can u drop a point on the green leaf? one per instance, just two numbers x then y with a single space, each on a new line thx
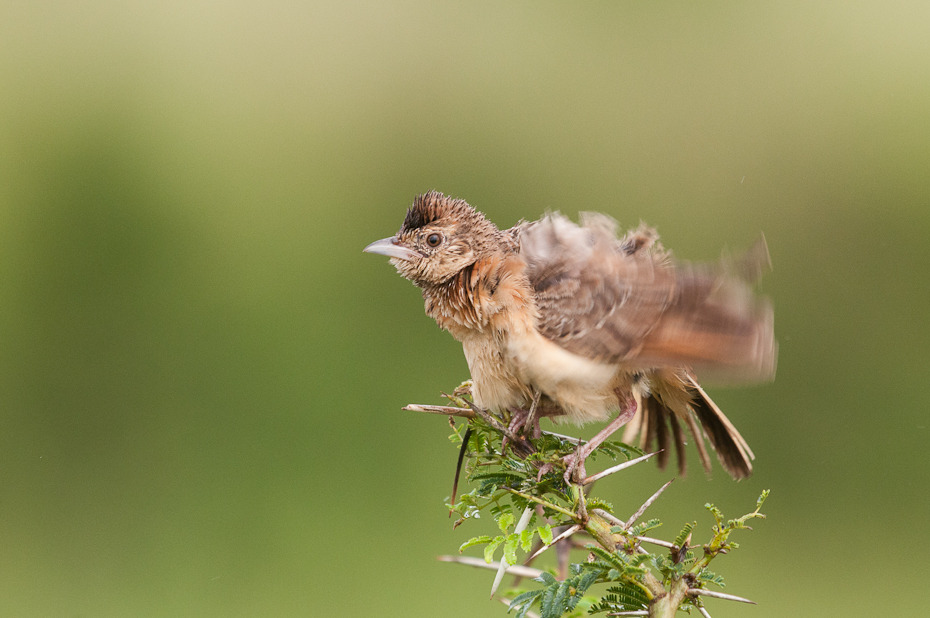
491 548
614 448
510 548
559 599
496 474
711 577
492 482
478 540
524 602
622 597
598 503
683 535
762 497
546 578
718 515
645 526
586 580
505 521
546 604
526 540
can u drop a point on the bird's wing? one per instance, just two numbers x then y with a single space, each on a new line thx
625 301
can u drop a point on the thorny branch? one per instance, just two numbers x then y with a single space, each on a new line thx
666 583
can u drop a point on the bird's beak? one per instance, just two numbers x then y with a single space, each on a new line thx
390 248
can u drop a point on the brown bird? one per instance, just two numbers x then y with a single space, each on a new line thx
566 320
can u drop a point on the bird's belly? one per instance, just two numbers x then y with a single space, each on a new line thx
585 389
506 372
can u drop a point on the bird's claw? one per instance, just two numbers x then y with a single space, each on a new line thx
574 468
518 424
517 428
544 469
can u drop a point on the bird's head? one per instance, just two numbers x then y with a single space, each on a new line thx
440 236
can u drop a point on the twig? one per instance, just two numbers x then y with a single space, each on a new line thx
470 413
479 563
488 418
446 410
608 517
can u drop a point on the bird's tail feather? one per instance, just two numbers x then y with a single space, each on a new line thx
656 425
732 450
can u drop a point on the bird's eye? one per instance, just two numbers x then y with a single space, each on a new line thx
433 240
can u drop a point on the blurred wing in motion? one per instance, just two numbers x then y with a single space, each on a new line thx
625 301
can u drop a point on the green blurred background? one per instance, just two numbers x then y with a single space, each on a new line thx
202 374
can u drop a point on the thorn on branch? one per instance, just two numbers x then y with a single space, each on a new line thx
618 468
659 542
479 563
646 505
447 410
567 533
693 592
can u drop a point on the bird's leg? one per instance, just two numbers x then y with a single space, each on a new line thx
574 463
525 423
532 417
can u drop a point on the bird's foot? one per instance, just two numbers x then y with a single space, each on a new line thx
544 469
574 466
521 431
463 389
516 436
521 423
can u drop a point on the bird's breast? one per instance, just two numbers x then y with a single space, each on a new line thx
496 384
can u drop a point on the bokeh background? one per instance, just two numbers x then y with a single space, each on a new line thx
202 374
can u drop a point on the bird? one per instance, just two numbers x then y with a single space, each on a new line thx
576 322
